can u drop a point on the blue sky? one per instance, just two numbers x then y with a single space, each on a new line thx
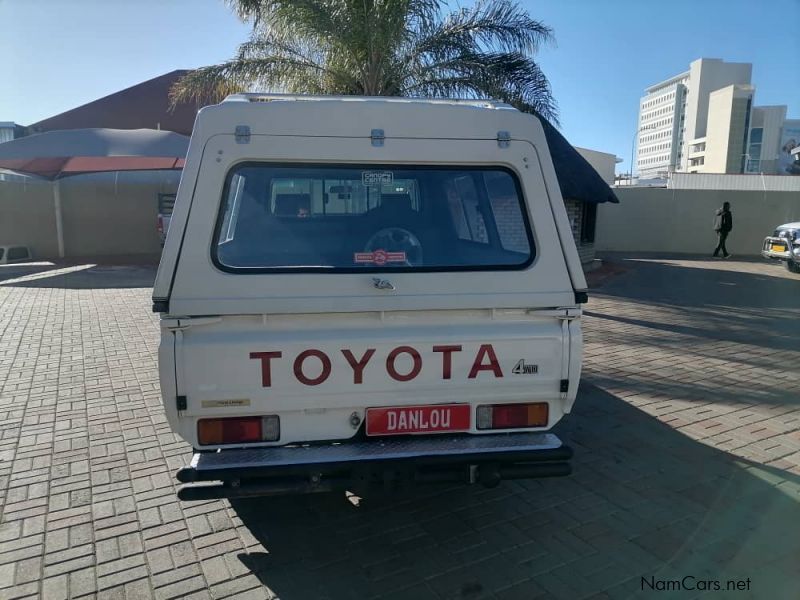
58 54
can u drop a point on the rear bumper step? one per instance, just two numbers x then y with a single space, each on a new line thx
392 462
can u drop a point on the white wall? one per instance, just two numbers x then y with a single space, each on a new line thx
718 126
103 214
733 182
725 133
603 162
681 221
705 76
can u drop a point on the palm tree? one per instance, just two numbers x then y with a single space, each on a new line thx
383 48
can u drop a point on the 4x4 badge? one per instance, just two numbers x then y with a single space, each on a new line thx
522 369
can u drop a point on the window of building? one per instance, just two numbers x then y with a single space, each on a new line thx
753 166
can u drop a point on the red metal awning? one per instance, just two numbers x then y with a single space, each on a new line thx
91 164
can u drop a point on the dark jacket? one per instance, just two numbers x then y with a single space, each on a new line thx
723 221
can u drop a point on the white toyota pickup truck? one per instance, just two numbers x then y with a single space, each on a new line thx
360 291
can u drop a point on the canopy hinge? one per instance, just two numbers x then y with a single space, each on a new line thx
242 134
503 139
569 314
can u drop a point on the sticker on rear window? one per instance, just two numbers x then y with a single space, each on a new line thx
376 178
379 257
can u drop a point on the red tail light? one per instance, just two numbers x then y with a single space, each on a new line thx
160 225
238 430
512 416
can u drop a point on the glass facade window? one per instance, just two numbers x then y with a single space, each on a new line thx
753 158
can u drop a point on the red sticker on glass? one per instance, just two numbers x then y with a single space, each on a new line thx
379 257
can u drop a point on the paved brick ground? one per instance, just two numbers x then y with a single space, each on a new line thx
687 438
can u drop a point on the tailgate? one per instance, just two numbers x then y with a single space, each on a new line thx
317 371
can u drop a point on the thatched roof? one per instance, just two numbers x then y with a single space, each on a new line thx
576 177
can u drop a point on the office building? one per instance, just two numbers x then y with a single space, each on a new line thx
676 110
705 121
722 148
9 131
764 143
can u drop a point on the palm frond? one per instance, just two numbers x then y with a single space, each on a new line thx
510 77
501 24
488 25
384 47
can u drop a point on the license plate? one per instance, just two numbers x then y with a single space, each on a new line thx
398 420
778 248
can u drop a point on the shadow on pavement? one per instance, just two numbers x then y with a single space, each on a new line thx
730 328
643 501
695 333
703 301
704 283
65 275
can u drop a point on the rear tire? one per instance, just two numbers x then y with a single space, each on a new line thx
792 266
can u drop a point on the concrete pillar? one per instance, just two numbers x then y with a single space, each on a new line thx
59 220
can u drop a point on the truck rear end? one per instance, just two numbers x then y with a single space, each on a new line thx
361 291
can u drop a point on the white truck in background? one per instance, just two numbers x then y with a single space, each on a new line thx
360 291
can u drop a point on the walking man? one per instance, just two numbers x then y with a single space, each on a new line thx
723 223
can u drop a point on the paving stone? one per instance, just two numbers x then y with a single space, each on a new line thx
215 570
182 588
82 582
117 566
121 578
7 575
27 590
236 588
56 588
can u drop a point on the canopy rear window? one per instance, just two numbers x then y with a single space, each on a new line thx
359 218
